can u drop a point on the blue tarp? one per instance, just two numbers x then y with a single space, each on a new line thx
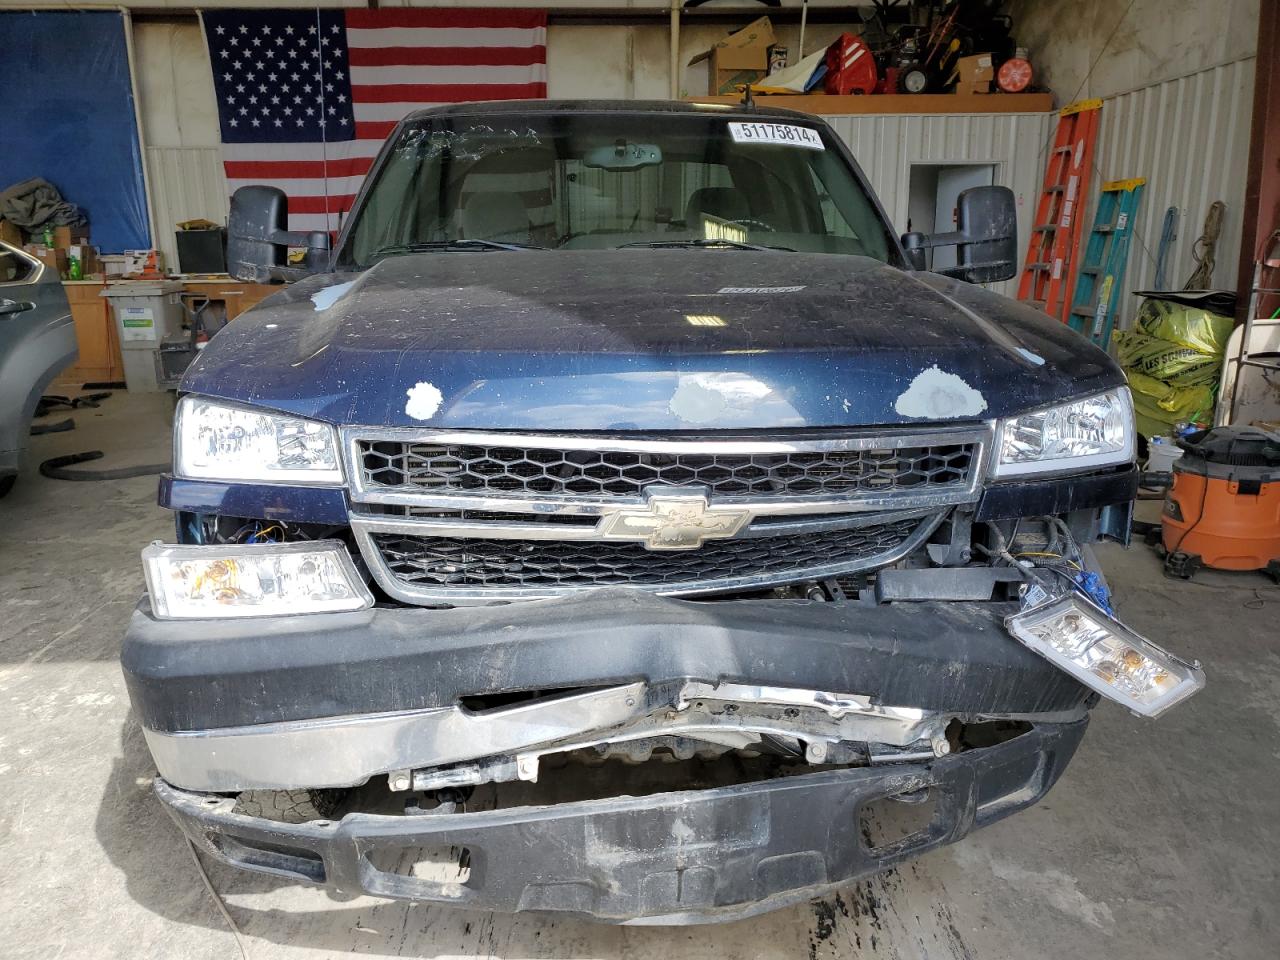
68 116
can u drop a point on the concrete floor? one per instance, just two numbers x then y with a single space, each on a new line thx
1160 841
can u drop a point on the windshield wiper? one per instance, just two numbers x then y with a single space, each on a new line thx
447 245
702 242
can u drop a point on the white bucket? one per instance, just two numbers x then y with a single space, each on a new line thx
1161 457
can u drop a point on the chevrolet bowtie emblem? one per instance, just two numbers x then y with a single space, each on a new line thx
673 521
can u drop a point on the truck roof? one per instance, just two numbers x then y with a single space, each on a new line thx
499 107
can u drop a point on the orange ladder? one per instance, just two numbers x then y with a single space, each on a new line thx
1048 274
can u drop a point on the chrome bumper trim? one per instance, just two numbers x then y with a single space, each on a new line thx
347 751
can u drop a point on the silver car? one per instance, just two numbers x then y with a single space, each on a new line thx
37 340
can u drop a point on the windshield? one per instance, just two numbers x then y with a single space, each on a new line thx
583 181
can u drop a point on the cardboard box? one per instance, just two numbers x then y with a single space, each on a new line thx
983 86
739 58
64 237
975 69
10 233
51 257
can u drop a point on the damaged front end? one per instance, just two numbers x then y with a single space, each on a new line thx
640 680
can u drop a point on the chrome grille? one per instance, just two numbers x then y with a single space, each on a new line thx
461 516
497 470
442 564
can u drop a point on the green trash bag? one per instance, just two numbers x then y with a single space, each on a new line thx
1192 327
1169 404
1161 359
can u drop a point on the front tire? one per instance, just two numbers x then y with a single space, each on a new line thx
291 806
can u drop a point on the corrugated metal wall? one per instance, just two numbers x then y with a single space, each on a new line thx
887 145
1190 138
186 183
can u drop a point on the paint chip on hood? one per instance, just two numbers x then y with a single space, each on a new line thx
937 395
326 298
424 401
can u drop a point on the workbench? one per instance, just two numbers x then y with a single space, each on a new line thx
96 333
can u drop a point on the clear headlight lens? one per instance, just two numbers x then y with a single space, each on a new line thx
217 441
258 580
1105 655
1093 432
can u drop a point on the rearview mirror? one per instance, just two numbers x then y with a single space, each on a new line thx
623 156
986 238
258 240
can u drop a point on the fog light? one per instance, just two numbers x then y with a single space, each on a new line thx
1104 654
252 580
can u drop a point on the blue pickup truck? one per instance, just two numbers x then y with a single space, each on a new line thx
620 520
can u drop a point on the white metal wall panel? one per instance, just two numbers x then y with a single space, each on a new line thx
886 146
1190 138
186 183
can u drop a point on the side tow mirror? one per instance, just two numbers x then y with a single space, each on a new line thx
986 238
258 240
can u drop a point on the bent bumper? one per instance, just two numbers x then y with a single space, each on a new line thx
330 700
674 858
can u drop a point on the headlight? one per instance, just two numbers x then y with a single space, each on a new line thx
1105 655
217 441
1093 432
252 580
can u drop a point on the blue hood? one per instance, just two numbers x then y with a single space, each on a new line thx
644 340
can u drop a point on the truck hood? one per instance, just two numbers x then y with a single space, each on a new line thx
644 339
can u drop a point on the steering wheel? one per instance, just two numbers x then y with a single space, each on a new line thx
748 222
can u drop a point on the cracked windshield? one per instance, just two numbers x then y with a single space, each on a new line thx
596 182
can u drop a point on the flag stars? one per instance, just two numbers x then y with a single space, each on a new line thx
255 122
336 28
233 122
219 30
289 30
244 28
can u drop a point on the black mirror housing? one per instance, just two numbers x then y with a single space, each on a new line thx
988 217
986 238
258 239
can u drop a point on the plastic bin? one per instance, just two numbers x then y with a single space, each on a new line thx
147 313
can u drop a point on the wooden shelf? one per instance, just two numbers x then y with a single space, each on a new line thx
928 103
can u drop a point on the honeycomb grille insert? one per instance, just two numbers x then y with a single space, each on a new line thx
439 564
540 471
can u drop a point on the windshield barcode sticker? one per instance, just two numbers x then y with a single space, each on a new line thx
784 134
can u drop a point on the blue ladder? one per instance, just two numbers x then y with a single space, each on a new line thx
1101 275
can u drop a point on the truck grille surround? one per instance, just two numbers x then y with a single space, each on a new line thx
464 517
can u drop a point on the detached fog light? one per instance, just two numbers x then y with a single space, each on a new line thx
258 580
1104 654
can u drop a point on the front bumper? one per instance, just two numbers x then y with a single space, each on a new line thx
673 858
331 700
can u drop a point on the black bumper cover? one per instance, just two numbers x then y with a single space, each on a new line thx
674 858
944 656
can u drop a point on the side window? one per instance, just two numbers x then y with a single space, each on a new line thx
14 268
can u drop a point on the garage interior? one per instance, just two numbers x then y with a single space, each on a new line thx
1160 839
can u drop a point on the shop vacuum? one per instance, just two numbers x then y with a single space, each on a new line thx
1223 508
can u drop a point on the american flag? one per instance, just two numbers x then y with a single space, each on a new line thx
306 97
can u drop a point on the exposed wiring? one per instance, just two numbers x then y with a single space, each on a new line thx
217 900
1043 553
